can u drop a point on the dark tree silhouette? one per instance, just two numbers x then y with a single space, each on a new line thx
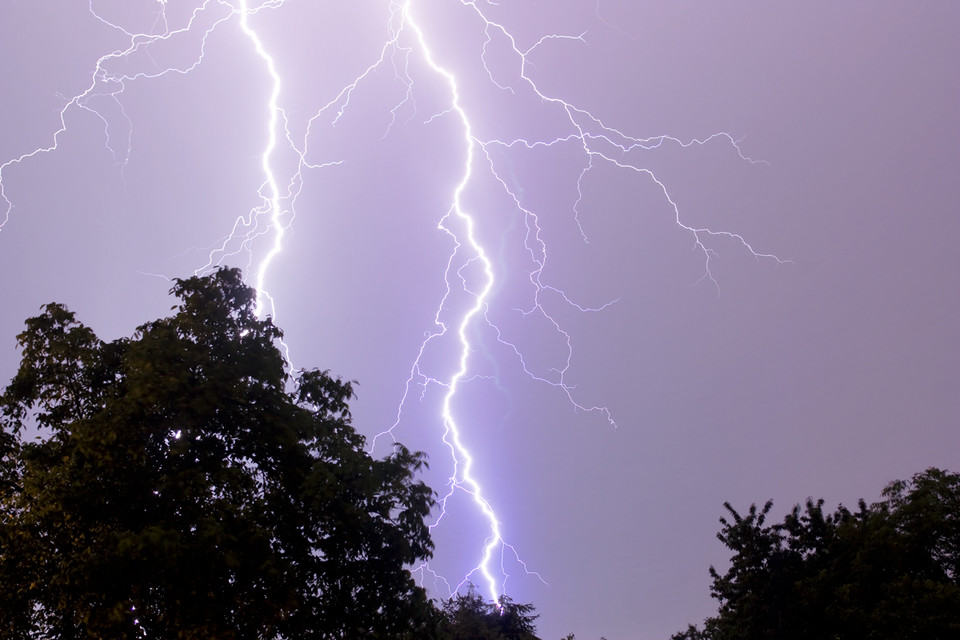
184 485
468 616
888 570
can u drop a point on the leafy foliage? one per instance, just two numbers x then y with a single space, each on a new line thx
888 570
468 616
186 486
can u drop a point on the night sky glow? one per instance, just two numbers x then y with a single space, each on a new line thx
610 264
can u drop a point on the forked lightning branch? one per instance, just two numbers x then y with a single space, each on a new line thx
256 238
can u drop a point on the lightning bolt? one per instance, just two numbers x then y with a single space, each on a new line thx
462 316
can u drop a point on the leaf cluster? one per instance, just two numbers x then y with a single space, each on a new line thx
185 485
886 570
468 616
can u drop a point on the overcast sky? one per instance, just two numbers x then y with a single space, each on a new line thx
813 353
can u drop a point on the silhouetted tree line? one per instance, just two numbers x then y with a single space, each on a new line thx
184 484
889 570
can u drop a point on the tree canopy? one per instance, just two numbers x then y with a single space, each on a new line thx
887 570
468 616
184 484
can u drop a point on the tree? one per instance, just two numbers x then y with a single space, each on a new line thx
185 485
468 616
888 570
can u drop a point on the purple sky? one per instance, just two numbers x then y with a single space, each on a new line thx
827 376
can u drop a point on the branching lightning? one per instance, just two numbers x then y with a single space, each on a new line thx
258 235
271 205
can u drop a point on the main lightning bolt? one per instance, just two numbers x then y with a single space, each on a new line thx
469 274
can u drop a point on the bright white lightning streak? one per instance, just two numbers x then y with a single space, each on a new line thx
597 142
273 191
451 428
